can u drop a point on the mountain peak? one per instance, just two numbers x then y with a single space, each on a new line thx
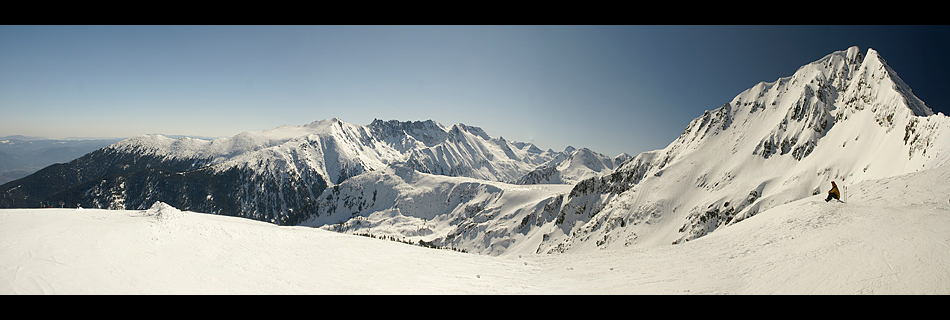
853 54
790 114
321 124
917 106
478 131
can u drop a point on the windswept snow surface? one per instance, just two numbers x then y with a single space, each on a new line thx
889 238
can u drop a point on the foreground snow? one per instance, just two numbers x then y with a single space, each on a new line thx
890 238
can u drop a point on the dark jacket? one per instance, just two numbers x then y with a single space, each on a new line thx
834 190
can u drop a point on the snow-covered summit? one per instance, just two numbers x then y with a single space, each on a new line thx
573 167
407 135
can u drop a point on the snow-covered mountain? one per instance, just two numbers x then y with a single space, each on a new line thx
339 150
573 166
274 175
847 117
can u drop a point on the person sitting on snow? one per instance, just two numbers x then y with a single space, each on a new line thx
833 193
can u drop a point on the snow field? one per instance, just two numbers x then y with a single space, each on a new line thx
128 252
890 238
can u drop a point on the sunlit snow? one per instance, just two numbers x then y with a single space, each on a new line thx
890 238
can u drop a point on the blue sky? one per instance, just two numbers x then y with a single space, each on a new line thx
609 88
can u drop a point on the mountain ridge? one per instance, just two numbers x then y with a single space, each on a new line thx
272 174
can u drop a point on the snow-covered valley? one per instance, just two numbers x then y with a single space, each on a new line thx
889 238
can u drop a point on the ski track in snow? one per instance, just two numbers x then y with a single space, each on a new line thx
890 238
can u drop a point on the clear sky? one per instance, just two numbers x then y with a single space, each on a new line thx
609 88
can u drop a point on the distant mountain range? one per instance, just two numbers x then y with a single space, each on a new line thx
23 155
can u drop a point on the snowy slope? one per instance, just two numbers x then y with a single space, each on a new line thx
890 238
474 215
